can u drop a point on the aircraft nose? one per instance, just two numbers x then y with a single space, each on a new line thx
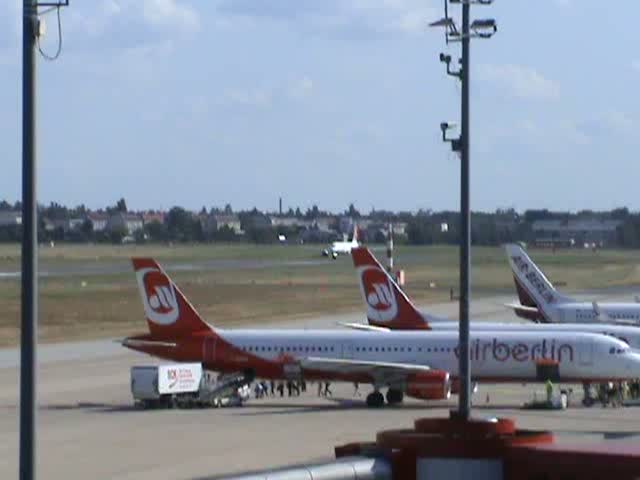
633 363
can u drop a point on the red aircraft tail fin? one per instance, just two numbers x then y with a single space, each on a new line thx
169 314
387 305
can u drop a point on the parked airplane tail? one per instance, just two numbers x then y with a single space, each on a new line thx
534 289
387 305
169 314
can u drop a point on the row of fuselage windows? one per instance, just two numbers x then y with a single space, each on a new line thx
615 316
305 349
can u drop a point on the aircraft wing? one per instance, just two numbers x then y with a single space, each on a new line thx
380 372
364 326
126 342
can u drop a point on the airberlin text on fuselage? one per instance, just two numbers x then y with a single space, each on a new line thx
519 352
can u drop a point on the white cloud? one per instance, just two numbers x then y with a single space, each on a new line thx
382 16
131 21
301 88
520 81
609 123
620 122
247 97
10 24
171 14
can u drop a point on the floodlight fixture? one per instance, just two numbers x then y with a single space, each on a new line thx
472 2
455 142
484 28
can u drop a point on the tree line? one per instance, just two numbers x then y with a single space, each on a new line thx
423 227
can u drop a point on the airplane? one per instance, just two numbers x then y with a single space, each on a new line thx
343 247
415 364
541 302
390 308
397 312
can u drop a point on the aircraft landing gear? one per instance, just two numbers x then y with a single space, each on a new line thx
587 400
394 396
375 399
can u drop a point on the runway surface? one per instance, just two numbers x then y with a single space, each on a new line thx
88 428
122 267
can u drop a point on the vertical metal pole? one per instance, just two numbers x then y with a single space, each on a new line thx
28 334
464 407
390 249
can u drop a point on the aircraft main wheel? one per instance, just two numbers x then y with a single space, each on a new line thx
394 396
375 400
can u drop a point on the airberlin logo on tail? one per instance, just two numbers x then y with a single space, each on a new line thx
535 281
158 296
379 295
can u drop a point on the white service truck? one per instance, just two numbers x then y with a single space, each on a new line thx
184 385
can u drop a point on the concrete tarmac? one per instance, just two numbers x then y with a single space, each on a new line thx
87 427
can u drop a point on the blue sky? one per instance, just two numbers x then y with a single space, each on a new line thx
198 103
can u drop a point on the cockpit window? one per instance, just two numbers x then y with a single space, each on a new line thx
612 350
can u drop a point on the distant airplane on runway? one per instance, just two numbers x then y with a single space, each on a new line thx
342 248
418 364
540 301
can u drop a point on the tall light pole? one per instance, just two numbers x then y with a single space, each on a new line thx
479 29
32 28
29 328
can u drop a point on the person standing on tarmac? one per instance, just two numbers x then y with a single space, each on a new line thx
356 389
549 388
319 389
265 388
327 391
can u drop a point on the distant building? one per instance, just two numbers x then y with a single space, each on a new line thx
258 220
75 224
126 222
98 220
10 218
345 226
323 223
569 233
48 225
379 231
290 222
217 222
150 217
316 235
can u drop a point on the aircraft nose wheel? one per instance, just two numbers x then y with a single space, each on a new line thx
375 400
394 396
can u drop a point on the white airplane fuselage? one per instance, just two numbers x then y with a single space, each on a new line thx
579 312
343 248
495 356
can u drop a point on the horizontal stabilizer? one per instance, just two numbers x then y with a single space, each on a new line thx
132 342
365 327
522 308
